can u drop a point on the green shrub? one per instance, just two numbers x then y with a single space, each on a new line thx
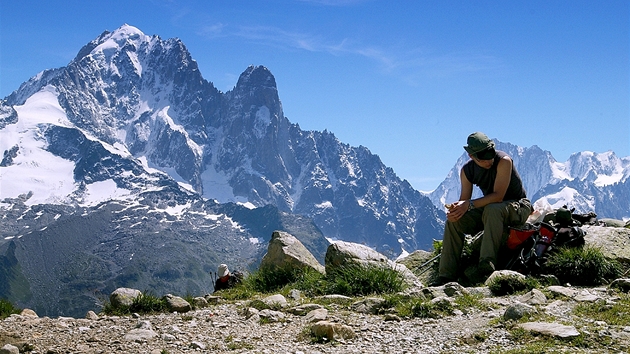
241 291
582 266
352 280
311 282
361 280
7 309
148 303
145 303
270 279
425 309
507 285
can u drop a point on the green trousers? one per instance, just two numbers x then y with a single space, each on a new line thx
494 219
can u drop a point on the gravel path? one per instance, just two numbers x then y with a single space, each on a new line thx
226 328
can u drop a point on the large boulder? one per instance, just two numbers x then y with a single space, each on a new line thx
341 254
286 251
419 262
123 297
614 242
176 303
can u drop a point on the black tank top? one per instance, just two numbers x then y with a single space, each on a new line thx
484 179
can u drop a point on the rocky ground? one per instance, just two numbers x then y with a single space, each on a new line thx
235 327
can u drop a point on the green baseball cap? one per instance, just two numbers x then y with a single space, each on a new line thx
477 142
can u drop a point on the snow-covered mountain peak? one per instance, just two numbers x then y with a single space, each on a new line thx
120 37
600 168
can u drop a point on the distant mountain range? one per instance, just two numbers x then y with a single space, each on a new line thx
128 168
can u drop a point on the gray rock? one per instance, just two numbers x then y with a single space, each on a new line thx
316 315
123 297
563 290
302 310
433 291
271 315
286 251
9 349
341 254
28 313
454 289
442 302
332 331
276 301
142 332
200 302
480 290
622 284
415 258
140 335
503 273
534 297
176 303
614 242
368 305
518 310
91 315
586 297
550 329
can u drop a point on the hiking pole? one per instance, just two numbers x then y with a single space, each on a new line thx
212 277
429 262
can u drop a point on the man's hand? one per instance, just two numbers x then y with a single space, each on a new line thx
456 210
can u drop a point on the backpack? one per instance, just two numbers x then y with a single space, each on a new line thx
530 245
533 243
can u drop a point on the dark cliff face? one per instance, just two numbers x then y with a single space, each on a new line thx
65 261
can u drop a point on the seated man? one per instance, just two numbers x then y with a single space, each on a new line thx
225 279
503 204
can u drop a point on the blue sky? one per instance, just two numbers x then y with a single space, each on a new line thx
407 79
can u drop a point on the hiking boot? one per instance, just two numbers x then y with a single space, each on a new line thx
480 272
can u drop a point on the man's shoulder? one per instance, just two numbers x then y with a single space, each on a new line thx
503 156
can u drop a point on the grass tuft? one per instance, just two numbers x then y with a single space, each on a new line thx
7 309
586 266
363 280
353 280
